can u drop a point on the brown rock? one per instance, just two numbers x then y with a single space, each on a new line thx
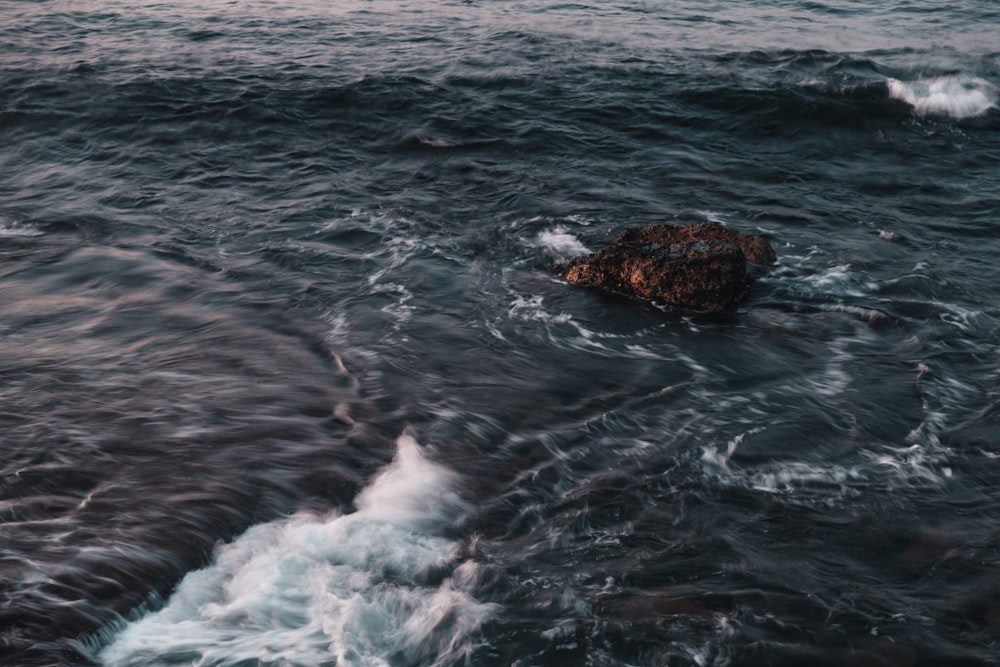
704 267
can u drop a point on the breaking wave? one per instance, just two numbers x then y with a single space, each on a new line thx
957 96
376 587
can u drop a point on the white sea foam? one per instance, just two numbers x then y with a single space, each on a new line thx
958 96
10 228
561 243
833 281
923 461
559 328
349 590
839 280
713 216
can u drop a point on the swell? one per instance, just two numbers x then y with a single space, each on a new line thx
810 89
139 128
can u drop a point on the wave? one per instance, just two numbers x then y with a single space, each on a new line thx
955 95
376 587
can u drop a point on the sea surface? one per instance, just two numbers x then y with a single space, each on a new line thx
287 377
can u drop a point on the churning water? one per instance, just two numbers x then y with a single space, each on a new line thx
287 378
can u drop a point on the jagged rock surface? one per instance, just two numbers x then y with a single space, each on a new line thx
704 267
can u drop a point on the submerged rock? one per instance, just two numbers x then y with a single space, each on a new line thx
704 267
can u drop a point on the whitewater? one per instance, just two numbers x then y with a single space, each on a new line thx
374 587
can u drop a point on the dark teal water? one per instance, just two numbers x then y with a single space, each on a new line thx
286 378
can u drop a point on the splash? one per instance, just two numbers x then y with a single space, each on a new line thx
561 243
373 588
957 96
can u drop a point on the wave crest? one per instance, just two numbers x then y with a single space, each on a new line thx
956 95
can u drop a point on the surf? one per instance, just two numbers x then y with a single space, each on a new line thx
377 587
955 95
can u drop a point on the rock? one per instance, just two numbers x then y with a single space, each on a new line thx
704 267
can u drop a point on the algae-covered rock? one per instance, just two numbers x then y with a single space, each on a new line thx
704 267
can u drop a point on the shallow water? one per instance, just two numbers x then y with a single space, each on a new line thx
287 378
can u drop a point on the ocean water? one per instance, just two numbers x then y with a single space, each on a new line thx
287 378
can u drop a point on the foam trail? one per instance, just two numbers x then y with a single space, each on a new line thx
363 589
958 96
